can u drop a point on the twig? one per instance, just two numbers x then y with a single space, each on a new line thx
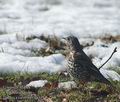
115 50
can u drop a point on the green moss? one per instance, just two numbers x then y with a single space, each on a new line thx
83 94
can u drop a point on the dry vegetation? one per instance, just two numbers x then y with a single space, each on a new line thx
13 85
13 89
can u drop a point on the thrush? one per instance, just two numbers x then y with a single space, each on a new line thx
80 67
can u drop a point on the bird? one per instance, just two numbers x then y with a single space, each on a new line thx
80 67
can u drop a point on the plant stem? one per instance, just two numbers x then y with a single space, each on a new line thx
115 50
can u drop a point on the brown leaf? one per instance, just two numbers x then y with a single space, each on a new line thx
47 86
51 85
54 84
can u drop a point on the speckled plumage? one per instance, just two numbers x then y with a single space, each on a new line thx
80 67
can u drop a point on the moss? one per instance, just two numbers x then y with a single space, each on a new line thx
90 93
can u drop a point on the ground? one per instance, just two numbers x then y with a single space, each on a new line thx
31 56
15 86
42 82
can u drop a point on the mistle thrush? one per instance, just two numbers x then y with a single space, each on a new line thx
80 66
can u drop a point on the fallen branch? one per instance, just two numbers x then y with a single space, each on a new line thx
115 50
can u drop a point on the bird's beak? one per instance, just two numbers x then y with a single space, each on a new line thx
64 40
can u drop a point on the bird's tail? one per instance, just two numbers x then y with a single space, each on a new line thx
106 81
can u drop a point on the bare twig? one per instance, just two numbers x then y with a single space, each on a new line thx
115 50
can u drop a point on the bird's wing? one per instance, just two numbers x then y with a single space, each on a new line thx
87 61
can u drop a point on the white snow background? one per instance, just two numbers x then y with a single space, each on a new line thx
83 18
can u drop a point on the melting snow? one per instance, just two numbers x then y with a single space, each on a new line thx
88 18
67 85
38 83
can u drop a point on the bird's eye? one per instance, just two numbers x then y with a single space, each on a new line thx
68 39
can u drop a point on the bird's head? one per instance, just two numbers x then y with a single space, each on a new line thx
72 43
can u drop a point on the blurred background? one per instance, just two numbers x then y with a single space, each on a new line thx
83 17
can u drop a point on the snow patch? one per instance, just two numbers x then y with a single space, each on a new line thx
67 85
14 63
38 83
110 74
